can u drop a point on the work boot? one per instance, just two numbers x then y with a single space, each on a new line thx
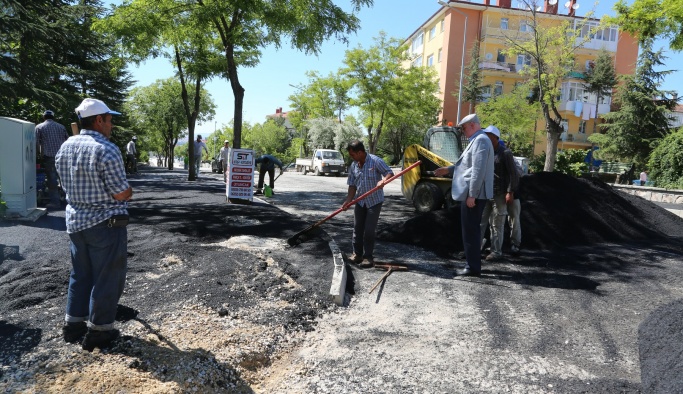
514 249
73 332
100 339
355 259
494 257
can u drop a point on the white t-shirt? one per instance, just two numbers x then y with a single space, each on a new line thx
130 148
224 155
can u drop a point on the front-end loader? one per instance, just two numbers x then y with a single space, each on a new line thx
441 148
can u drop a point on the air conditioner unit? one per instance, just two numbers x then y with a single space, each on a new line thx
18 165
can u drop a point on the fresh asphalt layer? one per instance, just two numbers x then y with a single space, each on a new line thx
588 318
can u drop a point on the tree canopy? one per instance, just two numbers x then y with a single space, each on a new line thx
648 19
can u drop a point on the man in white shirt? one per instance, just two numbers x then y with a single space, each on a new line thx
224 155
131 153
198 145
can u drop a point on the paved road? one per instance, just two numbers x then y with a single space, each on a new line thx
560 322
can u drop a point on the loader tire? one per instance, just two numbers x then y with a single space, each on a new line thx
449 203
427 197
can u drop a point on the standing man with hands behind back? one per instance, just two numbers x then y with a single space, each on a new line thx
366 172
50 135
97 192
473 185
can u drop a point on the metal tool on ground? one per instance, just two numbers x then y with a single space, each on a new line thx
282 171
294 240
390 268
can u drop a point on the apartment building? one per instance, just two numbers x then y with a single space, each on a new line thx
439 43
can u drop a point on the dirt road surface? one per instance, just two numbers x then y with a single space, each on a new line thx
215 302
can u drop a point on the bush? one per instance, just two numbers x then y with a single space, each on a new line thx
568 161
666 161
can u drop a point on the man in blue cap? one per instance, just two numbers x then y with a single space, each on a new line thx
97 192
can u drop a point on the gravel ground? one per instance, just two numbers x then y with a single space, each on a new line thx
215 301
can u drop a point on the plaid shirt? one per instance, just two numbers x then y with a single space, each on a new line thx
50 136
367 177
91 170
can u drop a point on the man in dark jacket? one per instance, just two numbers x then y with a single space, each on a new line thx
268 163
505 182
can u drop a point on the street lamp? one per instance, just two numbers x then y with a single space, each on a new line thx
214 139
462 61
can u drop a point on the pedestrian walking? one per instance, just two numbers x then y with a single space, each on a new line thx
50 136
473 185
366 172
97 194
224 155
131 156
198 146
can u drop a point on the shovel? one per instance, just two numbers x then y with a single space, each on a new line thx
294 240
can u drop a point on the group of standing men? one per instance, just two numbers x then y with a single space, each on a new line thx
485 179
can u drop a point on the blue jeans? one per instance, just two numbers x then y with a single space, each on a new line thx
98 275
364 227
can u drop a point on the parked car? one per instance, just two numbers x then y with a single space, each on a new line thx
217 165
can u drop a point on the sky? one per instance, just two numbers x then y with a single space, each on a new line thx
268 85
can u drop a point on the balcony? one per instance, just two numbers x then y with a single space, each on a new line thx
571 107
498 66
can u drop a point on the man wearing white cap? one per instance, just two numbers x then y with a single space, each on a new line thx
473 185
97 192
505 182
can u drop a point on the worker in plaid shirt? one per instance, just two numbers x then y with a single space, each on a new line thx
97 192
366 172
50 135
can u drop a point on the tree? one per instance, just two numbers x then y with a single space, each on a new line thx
151 28
52 59
157 113
648 19
382 85
550 46
601 78
266 138
515 115
666 161
643 116
321 132
473 90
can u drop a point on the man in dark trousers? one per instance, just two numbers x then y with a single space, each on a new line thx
366 172
473 185
97 192
50 136
268 163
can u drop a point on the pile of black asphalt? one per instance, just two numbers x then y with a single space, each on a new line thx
557 211
170 216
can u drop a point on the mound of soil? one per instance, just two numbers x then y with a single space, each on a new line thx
557 210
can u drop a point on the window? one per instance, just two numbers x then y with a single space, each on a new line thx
432 33
417 43
504 23
582 127
417 62
486 92
430 60
440 53
442 25
501 56
523 60
523 26
498 89
564 124
573 91
590 29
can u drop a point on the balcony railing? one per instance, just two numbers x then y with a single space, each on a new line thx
498 66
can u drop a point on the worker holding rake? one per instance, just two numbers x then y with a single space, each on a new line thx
366 172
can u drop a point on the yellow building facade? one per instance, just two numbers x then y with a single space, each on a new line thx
439 43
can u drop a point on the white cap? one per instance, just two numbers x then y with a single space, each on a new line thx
91 107
469 118
493 130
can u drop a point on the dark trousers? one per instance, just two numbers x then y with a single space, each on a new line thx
51 174
364 227
271 176
470 221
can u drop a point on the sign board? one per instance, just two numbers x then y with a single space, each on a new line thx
241 176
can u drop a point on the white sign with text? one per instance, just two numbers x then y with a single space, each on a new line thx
241 176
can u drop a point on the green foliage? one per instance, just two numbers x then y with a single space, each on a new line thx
516 118
666 161
643 116
473 90
551 49
601 78
266 138
569 161
51 59
649 19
